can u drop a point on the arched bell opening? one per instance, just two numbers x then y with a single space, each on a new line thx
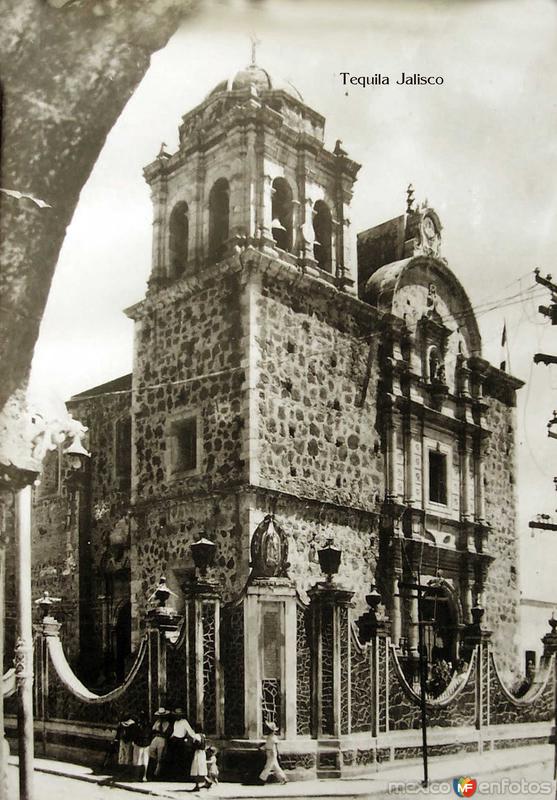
219 218
323 236
281 225
178 239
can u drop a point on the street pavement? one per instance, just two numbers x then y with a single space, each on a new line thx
517 773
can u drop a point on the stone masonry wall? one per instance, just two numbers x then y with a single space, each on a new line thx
501 598
190 359
188 362
309 525
106 517
161 546
55 550
55 540
318 377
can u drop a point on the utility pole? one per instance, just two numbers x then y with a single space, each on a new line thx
422 666
24 646
423 679
3 536
543 523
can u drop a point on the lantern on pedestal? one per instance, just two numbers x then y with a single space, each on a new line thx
329 559
203 554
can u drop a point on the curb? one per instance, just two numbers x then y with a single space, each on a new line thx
369 791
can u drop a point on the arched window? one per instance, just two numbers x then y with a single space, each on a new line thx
178 239
219 213
282 214
323 231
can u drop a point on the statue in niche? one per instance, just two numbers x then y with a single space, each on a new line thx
269 550
432 302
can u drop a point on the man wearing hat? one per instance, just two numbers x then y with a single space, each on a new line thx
271 754
161 732
125 744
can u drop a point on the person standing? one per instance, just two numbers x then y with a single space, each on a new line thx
160 733
141 739
178 752
271 754
199 763
125 745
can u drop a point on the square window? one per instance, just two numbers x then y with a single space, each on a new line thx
438 477
184 445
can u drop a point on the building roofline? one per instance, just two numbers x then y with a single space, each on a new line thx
121 384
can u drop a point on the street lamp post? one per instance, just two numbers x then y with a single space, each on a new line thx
3 535
422 666
24 645
47 439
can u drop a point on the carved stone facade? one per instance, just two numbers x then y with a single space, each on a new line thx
284 394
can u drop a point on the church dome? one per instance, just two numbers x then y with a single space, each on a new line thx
257 78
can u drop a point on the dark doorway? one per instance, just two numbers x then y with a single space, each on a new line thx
440 628
123 638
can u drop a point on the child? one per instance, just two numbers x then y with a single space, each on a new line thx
199 762
271 753
212 768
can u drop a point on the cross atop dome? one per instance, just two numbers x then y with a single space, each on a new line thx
254 42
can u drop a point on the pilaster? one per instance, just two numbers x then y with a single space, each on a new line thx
270 675
205 676
329 604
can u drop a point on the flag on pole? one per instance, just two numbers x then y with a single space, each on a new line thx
505 360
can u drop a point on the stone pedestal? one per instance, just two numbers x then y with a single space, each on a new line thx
270 656
49 627
331 673
204 676
330 604
162 622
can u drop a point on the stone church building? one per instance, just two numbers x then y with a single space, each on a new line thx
295 386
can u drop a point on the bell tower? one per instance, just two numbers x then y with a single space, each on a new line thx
251 266
252 168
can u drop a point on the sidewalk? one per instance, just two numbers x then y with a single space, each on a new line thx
502 762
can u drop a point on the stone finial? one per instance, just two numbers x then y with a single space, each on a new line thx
161 593
45 602
409 198
161 616
339 150
254 42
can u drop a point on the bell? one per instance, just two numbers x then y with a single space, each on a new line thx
276 224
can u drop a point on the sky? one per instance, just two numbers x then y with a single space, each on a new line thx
482 148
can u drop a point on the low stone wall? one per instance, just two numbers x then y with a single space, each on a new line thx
62 695
373 712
